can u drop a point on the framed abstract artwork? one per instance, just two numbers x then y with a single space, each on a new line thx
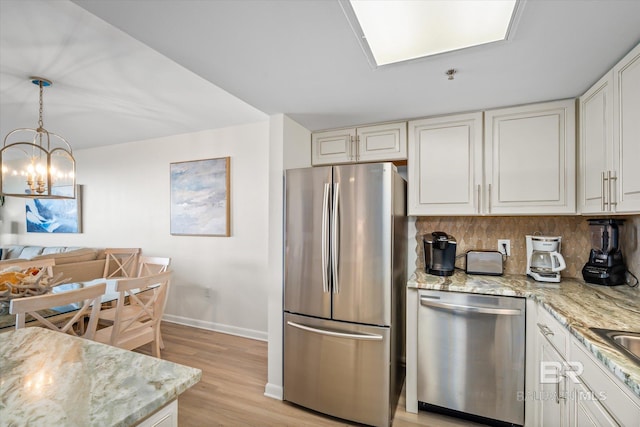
200 197
55 215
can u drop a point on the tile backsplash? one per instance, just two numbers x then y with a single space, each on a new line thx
484 232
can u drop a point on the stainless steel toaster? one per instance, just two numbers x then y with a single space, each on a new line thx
484 262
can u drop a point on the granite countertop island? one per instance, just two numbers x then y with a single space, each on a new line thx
575 304
49 378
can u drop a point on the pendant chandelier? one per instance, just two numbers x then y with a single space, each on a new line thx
36 163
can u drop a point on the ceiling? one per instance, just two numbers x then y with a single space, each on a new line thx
131 70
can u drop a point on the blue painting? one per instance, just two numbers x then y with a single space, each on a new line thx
200 197
54 215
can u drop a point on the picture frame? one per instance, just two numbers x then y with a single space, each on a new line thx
55 215
200 197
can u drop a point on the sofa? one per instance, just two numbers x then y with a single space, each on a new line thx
75 263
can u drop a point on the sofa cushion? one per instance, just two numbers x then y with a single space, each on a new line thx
77 255
59 249
12 251
31 251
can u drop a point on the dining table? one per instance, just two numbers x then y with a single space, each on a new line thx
8 321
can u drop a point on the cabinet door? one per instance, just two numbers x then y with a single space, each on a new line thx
552 386
530 159
333 147
596 146
445 165
586 410
382 142
167 416
626 135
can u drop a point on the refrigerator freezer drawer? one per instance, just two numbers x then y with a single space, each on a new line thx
339 369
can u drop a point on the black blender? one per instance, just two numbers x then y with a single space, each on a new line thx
606 264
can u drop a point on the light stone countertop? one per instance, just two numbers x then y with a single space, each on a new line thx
50 378
575 304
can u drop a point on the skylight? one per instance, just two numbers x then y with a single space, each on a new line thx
399 30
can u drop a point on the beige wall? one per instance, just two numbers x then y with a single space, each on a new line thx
484 232
219 282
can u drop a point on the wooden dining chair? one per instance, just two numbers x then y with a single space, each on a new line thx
148 265
138 323
89 297
121 262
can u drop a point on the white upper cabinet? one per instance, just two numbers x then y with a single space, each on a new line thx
375 143
609 179
626 131
596 146
333 147
530 159
445 165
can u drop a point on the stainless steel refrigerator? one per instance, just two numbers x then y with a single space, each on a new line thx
344 290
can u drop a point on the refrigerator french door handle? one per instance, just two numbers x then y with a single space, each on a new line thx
335 239
470 309
325 236
362 337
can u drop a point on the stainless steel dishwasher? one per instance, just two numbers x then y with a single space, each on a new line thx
471 354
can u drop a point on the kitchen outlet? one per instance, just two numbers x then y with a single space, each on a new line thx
504 246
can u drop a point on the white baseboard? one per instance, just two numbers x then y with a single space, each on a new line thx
273 391
217 327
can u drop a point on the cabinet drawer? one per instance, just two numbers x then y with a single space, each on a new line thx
619 403
553 331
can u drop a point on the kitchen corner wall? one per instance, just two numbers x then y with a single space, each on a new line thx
484 232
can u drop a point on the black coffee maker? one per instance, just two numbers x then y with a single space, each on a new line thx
439 253
606 264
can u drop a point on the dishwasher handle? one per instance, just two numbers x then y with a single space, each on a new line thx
470 309
362 337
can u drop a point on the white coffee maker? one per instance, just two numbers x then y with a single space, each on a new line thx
544 261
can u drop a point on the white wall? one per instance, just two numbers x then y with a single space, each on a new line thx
290 147
219 282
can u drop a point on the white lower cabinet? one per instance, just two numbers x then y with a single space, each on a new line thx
603 399
553 405
550 390
587 410
167 416
572 388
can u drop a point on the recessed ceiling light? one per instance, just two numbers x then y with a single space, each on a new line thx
392 31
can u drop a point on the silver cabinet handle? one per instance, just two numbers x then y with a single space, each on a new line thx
351 148
545 330
479 199
325 236
611 178
357 148
470 309
362 337
603 204
558 388
335 240
489 200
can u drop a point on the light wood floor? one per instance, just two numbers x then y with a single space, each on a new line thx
234 374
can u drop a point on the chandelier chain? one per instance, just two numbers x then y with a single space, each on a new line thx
40 122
